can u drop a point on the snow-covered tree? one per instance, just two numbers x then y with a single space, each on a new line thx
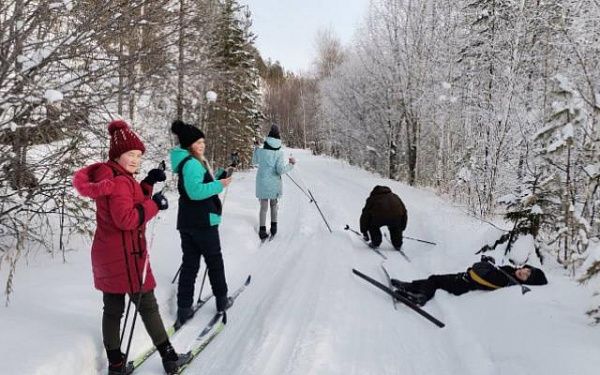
235 118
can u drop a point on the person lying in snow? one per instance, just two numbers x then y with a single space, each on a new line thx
483 275
383 208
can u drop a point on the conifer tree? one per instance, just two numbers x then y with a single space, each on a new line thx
236 116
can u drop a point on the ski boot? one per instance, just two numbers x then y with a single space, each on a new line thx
273 229
404 289
183 315
262 233
116 363
223 303
170 359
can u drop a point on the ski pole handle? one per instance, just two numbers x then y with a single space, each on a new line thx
347 227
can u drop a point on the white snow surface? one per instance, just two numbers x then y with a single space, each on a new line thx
305 312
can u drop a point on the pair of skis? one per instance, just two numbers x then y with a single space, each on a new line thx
139 360
375 249
212 329
217 323
399 297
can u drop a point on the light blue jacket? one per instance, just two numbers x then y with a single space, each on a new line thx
271 166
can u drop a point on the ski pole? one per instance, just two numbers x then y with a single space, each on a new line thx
408 238
319 208
399 250
125 322
202 285
347 227
416 239
312 200
514 281
299 187
130 288
163 166
176 274
137 306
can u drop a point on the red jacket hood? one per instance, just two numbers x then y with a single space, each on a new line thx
94 181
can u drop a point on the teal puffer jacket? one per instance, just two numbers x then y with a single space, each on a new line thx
199 204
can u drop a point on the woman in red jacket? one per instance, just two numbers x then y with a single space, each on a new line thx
120 259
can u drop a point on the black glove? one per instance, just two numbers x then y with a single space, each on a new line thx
155 175
226 173
486 258
366 236
161 201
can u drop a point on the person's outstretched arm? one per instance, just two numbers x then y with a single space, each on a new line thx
281 167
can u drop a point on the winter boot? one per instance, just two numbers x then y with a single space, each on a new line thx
170 359
223 303
116 363
407 290
273 228
417 298
184 314
262 233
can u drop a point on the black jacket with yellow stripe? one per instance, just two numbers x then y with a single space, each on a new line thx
486 276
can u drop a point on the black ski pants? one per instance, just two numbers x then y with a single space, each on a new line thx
196 243
455 283
395 234
114 305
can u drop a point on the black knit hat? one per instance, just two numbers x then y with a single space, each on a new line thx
274 132
537 276
187 134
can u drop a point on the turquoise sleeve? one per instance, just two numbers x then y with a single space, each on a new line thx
193 177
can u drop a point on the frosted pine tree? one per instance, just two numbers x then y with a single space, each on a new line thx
564 149
236 115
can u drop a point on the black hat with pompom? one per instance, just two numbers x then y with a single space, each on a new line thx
187 134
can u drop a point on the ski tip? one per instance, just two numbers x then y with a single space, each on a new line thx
248 279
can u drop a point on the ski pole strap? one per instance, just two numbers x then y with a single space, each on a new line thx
479 280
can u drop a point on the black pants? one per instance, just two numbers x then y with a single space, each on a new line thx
195 243
114 305
395 234
455 283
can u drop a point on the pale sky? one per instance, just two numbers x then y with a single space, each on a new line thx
286 29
